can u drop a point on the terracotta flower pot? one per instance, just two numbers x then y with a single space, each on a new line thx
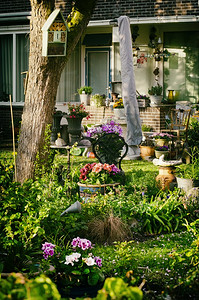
147 151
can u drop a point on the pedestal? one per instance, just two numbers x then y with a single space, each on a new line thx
166 178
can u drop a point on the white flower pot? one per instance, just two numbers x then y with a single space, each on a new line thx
119 113
155 100
85 99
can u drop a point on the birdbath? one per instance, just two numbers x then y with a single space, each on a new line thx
166 178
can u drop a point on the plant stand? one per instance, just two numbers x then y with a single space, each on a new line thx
74 129
166 178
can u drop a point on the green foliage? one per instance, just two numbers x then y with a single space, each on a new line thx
44 157
146 128
155 90
87 89
16 286
30 215
189 257
98 100
116 288
190 171
193 133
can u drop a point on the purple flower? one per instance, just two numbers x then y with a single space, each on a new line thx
98 261
115 169
48 250
75 242
84 244
110 127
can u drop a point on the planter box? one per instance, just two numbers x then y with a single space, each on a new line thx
143 102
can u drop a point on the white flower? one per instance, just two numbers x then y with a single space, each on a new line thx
71 258
89 261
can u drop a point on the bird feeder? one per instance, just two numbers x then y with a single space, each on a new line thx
55 35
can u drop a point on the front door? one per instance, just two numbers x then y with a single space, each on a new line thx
98 70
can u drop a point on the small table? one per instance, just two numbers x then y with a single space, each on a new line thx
68 148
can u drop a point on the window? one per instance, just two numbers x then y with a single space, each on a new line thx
6 65
181 69
70 78
14 49
14 52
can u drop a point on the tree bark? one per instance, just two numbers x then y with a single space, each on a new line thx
43 80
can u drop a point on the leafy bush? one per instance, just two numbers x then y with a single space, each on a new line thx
116 288
193 133
16 286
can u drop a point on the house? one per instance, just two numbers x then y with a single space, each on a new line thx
165 45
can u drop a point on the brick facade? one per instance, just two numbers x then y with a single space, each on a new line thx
153 116
110 9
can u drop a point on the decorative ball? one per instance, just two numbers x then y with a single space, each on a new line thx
91 155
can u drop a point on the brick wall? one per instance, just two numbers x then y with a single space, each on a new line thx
153 116
5 120
110 9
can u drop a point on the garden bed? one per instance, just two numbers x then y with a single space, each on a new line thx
143 235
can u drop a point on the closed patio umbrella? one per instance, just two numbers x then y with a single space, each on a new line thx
134 130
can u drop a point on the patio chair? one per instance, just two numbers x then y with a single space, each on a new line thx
178 127
110 148
179 123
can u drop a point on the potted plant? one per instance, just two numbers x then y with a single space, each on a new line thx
107 142
162 139
84 93
75 267
76 112
95 177
97 100
161 150
143 100
187 175
155 93
147 148
118 108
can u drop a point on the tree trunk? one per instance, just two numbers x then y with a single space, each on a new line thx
43 80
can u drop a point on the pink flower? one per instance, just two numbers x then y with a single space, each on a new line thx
97 168
107 167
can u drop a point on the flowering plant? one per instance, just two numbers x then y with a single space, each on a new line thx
76 264
140 97
119 104
77 110
97 173
162 148
164 136
109 127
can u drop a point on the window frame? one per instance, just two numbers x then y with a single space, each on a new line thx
14 31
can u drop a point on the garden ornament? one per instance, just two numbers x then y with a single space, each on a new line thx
75 207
